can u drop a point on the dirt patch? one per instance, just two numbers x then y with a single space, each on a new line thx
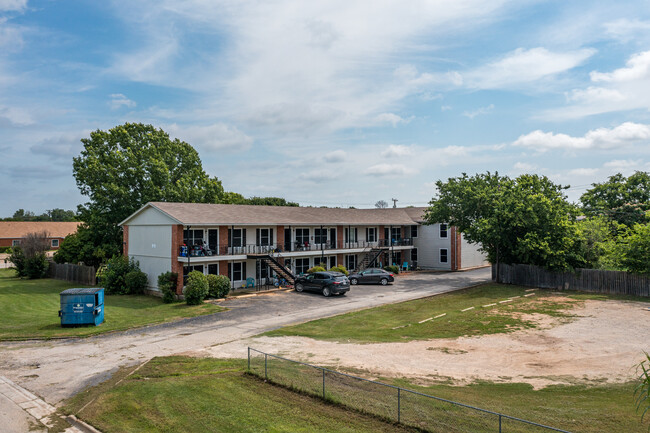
600 343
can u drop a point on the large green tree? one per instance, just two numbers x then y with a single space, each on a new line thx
525 220
625 200
121 169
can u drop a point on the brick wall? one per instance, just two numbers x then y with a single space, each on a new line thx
177 241
280 237
125 240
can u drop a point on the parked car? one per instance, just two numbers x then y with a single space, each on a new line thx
372 276
327 283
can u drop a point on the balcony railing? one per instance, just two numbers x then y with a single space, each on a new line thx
223 250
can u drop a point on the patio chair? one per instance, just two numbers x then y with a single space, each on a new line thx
250 282
405 266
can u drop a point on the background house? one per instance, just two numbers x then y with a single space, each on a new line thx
12 232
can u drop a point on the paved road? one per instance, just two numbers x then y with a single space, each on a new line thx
58 369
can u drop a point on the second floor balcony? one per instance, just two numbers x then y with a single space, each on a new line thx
284 247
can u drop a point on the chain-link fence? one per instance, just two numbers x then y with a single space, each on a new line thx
386 401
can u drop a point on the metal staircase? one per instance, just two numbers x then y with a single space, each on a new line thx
272 263
369 258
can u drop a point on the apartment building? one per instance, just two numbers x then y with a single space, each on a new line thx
252 243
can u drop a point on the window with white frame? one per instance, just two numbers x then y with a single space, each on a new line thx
351 261
237 271
443 231
264 237
350 234
54 243
444 258
302 265
302 236
371 234
193 237
237 237
15 242
414 231
320 236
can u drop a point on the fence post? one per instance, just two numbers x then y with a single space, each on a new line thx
266 375
249 359
399 405
499 423
323 384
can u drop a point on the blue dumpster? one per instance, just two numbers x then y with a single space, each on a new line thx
82 307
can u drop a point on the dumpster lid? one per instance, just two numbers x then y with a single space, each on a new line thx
82 291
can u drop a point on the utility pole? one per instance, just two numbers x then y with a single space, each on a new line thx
394 202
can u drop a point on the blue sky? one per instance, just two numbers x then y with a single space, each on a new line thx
337 103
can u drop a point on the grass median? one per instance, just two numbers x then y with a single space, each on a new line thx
180 394
29 310
487 309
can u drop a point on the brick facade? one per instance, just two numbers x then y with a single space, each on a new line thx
177 241
280 237
125 240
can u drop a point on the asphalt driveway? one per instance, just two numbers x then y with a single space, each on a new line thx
57 369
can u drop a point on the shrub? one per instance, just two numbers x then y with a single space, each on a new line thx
218 286
196 288
36 266
17 257
6 250
167 282
392 268
341 269
114 276
135 282
315 269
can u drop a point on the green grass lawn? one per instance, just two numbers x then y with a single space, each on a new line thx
179 394
29 309
400 322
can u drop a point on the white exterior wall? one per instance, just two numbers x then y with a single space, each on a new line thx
151 246
470 256
429 244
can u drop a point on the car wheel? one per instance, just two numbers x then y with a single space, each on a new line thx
354 281
299 287
326 291
383 281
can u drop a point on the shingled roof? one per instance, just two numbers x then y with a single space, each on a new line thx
19 229
232 214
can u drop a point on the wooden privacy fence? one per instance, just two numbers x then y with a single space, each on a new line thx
588 280
75 273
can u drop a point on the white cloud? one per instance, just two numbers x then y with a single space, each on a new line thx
218 136
119 100
336 156
582 172
625 29
12 5
318 175
396 151
16 116
445 107
638 67
601 138
524 166
64 147
478 111
623 163
391 118
389 170
523 66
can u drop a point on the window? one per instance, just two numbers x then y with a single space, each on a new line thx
396 233
302 236
443 231
193 237
443 255
213 269
237 237
332 262
414 255
237 271
55 243
371 234
301 266
320 236
264 237
15 242
414 231
188 269
351 262
350 234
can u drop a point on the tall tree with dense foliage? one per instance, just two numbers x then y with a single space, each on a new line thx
122 169
525 220
56 214
625 200
635 251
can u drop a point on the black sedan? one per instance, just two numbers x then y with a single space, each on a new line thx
372 276
327 283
